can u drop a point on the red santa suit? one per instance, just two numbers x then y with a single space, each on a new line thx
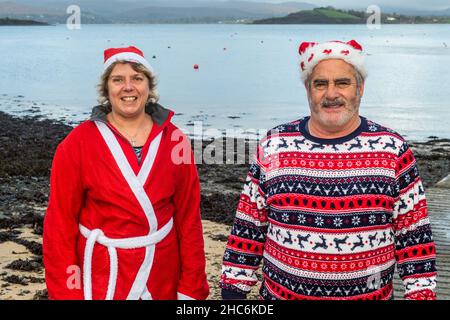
132 229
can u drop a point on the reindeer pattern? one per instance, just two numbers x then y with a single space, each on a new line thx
299 143
300 240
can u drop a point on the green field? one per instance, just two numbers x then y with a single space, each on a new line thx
336 14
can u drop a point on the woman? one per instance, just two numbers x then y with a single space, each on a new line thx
123 220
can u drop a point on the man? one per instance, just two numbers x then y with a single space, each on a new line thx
332 201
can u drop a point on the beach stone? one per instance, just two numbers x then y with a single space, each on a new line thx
14 279
41 295
444 183
219 237
24 265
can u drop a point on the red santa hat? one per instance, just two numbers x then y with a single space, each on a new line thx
131 54
311 53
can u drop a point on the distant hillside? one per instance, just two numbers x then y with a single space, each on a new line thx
10 7
330 15
151 11
17 22
203 11
51 14
187 15
315 16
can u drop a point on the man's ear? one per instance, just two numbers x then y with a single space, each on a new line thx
361 89
306 83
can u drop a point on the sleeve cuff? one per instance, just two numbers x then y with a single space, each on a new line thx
233 295
425 294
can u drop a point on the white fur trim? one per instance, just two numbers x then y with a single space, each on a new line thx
319 52
181 296
127 56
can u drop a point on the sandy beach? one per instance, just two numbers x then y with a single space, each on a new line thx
27 145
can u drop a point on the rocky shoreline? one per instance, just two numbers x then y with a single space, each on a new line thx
27 145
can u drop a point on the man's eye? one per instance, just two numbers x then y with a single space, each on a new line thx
343 84
320 85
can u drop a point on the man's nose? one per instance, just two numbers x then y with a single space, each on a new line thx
332 92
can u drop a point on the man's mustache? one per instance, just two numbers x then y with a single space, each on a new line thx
332 103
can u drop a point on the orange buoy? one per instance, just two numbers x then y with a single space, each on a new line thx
196 66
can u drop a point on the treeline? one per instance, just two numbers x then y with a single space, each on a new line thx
331 15
18 22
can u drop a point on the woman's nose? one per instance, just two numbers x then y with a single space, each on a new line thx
128 85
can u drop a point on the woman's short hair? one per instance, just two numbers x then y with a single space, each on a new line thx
102 87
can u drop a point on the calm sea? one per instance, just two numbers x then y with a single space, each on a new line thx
248 75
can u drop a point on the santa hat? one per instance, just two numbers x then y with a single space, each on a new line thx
311 53
131 54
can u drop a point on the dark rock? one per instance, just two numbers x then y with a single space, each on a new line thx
41 295
24 265
219 207
15 280
33 246
35 280
219 237
7 236
31 145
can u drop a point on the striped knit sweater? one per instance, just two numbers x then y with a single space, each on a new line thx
330 219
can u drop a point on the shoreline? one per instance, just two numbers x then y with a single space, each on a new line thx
27 145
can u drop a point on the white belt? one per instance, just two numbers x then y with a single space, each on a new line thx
97 235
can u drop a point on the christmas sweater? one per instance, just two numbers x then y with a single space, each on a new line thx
331 219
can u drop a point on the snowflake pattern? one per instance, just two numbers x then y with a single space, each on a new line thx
356 221
241 259
383 219
410 268
319 221
337 222
427 266
372 219
407 178
301 219
285 217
